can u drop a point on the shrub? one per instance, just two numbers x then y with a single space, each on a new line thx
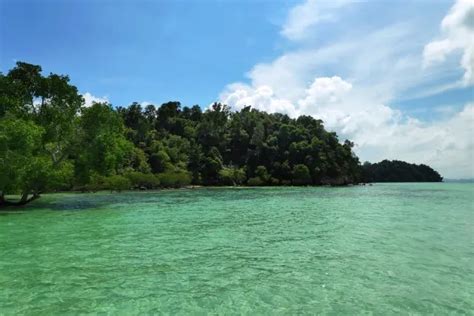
62 177
273 181
301 175
96 183
113 183
174 179
159 161
231 176
261 177
143 180
117 183
262 173
255 181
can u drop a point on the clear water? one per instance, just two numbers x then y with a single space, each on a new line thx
385 249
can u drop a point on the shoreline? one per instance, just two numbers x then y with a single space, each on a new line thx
239 187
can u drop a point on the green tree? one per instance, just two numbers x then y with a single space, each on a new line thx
104 148
49 141
301 175
38 128
231 176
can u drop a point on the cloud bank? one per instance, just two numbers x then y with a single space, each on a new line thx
351 83
457 34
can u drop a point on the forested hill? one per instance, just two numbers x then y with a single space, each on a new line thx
50 141
399 171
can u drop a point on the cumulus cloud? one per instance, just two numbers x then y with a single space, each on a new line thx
343 108
240 95
379 131
331 99
326 90
448 145
457 35
89 99
365 76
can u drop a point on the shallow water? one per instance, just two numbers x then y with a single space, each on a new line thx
386 249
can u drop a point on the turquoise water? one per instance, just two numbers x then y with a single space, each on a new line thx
385 249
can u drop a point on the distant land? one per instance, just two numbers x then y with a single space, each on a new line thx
398 171
471 180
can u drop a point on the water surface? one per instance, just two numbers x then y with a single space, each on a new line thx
386 249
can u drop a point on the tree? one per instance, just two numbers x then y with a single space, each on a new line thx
212 164
104 148
49 141
19 154
301 175
261 177
160 161
137 122
38 123
232 175
399 171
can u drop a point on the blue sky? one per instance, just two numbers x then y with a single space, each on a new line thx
142 50
394 76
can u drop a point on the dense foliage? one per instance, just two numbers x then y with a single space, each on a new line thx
50 141
399 171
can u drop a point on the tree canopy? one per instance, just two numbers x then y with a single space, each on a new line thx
50 141
399 171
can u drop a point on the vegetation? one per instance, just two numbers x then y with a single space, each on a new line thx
50 141
399 171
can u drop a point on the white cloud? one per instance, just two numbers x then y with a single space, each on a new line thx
379 59
379 131
145 103
89 99
326 90
241 95
311 12
350 84
345 109
447 145
457 34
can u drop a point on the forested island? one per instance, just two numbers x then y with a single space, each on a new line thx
50 141
399 171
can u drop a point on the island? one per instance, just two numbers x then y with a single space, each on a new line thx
399 171
50 141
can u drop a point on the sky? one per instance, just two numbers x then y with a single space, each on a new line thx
395 77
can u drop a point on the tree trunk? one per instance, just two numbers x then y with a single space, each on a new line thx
23 200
